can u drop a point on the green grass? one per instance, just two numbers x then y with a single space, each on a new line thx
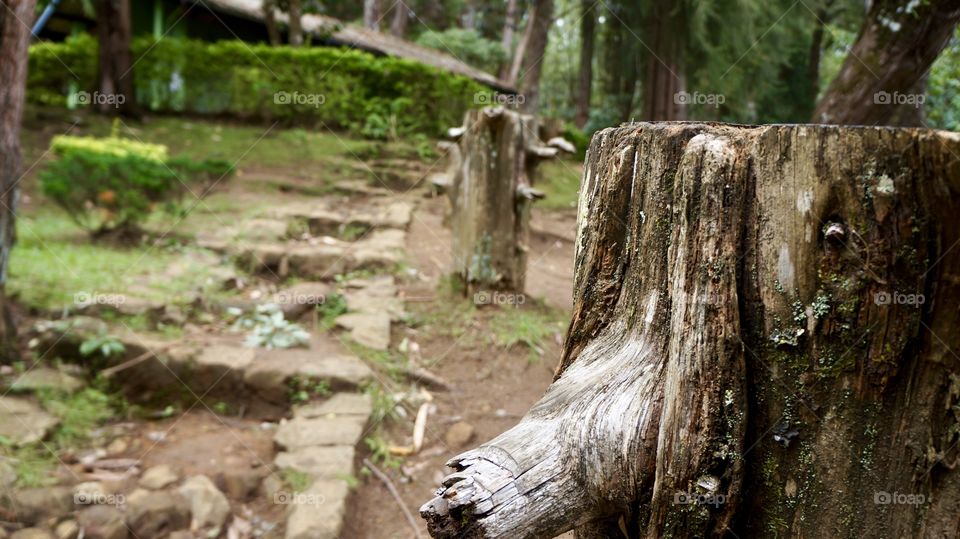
525 327
559 179
295 479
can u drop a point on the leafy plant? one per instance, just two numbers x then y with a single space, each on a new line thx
304 389
333 306
105 346
269 329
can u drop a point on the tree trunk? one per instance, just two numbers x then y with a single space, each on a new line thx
588 23
116 92
295 16
528 61
761 345
491 195
665 82
893 52
401 15
371 14
270 21
509 28
15 15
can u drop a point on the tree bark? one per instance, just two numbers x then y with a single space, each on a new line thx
761 345
15 17
893 52
116 59
528 61
295 17
270 21
371 14
401 16
491 193
665 80
588 23
509 28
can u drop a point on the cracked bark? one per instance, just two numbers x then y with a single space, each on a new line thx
731 362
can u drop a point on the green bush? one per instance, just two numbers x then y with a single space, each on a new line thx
314 86
113 184
467 45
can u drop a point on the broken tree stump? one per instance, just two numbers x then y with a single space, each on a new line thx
491 192
764 343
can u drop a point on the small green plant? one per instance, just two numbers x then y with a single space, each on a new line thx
514 327
333 306
380 452
268 328
304 389
103 346
295 479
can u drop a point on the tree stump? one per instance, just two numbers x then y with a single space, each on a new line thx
491 193
764 341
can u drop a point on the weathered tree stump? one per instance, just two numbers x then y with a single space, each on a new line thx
764 341
491 193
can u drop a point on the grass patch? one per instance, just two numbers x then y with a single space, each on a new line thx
559 180
296 480
333 306
525 327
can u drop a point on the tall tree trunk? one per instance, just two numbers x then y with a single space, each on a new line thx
371 14
295 16
893 52
506 41
15 16
761 345
664 88
528 60
116 86
588 23
270 21
401 15
469 18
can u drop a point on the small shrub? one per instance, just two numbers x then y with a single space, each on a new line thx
467 45
269 329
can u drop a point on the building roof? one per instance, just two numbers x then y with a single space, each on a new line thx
336 32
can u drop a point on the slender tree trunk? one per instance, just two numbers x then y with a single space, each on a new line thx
295 16
588 23
528 61
15 18
401 16
509 28
116 89
469 18
371 14
664 89
893 52
761 345
270 21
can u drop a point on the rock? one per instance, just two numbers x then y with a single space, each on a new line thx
158 477
90 493
301 298
32 533
45 378
68 529
221 367
318 261
318 462
240 483
458 434
8 475
318 511
369 329
117 447
340 404
33 505
24 422
380 249
102 522
153 514
270 371
208 506
298 432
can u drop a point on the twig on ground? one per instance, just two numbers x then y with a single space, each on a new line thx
396 496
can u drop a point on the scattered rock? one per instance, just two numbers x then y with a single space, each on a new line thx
370 329
208 505
8 475
46 378
24 422
102 522
68 529
340 404
298 433
32 533
153 514
89 493
158 477
269 373
33 505
240 483
318 462
458 434
118 446
301 298
319 511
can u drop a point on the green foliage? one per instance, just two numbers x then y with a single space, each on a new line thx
943 88
315 86
104 346
296 480
304 389
269 329
466 45
514 327
559 179
333 306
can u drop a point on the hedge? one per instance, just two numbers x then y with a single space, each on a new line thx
337 87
